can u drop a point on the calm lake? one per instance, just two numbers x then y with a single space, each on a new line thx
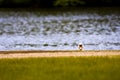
29 30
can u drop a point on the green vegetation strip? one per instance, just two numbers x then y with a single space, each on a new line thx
79 68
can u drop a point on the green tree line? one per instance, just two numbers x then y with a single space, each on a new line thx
57 3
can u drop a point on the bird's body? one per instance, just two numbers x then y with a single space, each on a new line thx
80 46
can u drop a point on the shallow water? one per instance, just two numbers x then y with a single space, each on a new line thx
33 31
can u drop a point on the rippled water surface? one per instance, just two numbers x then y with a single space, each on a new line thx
61 31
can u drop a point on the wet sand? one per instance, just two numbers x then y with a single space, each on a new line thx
57 53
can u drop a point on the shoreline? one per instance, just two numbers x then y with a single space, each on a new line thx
57 53
52 51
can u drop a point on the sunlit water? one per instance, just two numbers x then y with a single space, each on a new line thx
32 31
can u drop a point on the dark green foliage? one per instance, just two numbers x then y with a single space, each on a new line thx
68 2
53 3
45 44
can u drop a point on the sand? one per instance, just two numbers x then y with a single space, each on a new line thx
72 53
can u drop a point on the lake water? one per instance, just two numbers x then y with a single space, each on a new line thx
62 31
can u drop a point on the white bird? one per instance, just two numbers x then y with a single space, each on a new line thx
80 46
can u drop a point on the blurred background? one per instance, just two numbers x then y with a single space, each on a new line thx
56 3
59 24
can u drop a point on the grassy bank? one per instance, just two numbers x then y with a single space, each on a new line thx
80 68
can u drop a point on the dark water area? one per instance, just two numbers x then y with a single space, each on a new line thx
24 30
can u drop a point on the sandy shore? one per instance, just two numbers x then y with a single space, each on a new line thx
72 53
